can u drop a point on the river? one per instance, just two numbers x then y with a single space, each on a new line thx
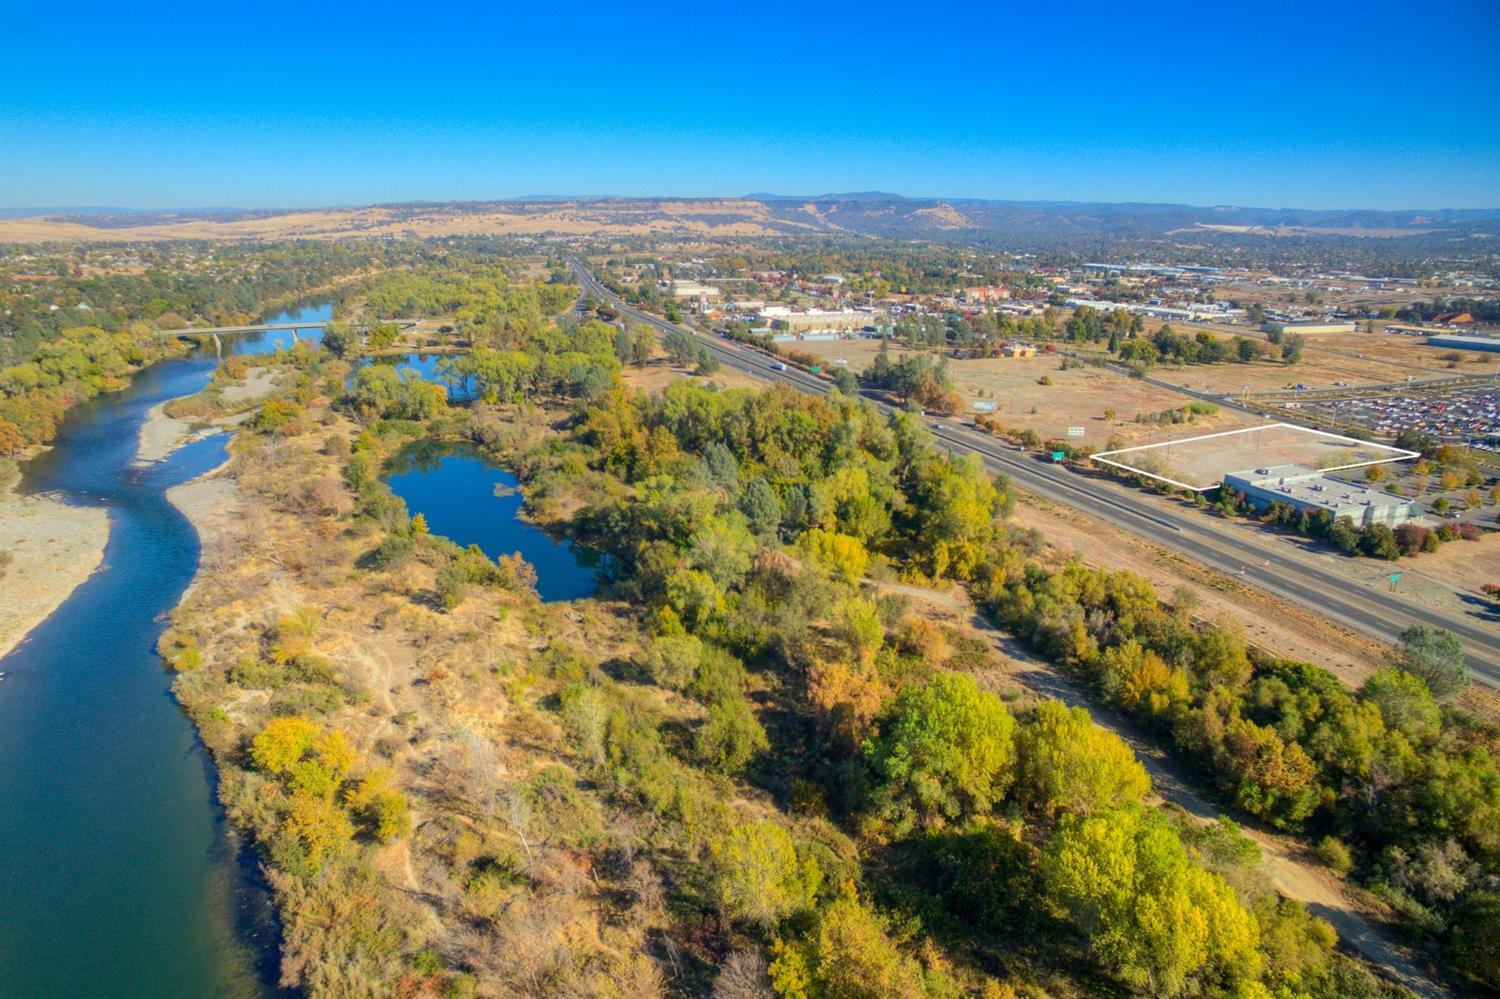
118 874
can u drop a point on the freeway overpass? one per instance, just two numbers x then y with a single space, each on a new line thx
1296 576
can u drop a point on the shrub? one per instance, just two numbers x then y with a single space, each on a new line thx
1411 538
757 877
1335 855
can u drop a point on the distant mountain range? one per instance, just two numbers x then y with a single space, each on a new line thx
1014 224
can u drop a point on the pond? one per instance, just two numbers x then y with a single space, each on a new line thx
471 502
426 365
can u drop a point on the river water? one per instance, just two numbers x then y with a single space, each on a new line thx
118 876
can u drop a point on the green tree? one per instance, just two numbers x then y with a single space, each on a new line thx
642 345
1476 927
1291 347
681 347
947 755
1154 919
722 547
731 737
672 660
761 507
1437 657
1066 762
1406 703
849 954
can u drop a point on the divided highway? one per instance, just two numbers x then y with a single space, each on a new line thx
1290 575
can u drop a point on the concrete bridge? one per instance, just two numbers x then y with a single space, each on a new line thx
217 331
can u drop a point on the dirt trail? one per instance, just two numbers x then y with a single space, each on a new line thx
1285 861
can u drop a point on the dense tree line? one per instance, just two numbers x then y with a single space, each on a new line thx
1389 771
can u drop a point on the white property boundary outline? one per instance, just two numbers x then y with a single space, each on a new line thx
1103 456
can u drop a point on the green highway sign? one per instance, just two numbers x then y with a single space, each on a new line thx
1059 455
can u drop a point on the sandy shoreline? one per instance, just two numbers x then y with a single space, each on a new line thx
54 547
161 434
213 505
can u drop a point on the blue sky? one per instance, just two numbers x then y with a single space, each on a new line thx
1308 104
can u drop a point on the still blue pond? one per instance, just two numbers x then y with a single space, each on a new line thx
471 502
423 364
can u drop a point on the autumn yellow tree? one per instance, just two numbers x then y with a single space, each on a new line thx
1067 763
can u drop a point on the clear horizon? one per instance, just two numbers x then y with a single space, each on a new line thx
1312 107
658 196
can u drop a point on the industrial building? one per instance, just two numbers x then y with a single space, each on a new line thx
692 289
1311 326
1487 344
783 318
1308 489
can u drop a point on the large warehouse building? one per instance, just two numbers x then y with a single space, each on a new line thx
1488 344
1309 489
1309 326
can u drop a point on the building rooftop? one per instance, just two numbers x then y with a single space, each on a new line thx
1298 483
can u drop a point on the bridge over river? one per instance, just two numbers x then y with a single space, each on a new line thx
216 332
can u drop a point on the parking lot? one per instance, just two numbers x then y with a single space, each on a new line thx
1459 414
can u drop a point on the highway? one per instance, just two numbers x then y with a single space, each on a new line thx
1288 573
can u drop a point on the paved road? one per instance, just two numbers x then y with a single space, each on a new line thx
1283 570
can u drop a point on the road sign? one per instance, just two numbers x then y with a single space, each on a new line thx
1059 455
1075 431
984 407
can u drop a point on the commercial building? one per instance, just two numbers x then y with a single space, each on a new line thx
1308 489
1310 326
815 319
692 289
1486 344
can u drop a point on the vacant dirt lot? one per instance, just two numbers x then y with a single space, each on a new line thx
660 372
1204 462
1078 397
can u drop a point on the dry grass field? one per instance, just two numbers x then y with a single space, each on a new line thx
1078 397
660 373
1202 461
1353 358
725 217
